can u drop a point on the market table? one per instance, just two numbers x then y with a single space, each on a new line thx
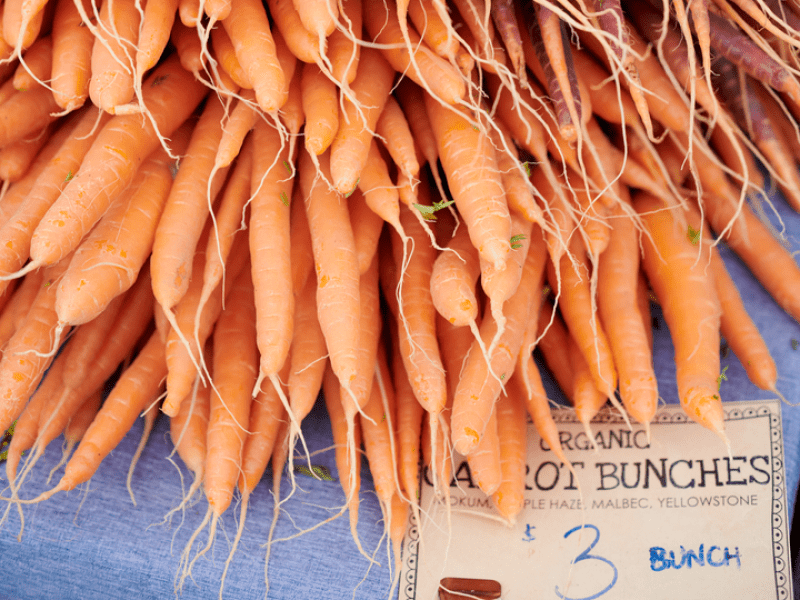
94 543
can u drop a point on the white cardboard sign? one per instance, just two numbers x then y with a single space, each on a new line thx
677 517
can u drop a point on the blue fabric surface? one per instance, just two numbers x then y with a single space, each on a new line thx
93 543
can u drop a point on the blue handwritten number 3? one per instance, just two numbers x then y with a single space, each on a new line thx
586 556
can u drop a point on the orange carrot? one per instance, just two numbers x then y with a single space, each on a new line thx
249 30
453 278
343 52
367 227
271 189
156 24
358 119
511 421
187 208
337 275
617 302
113 63
38 64
320 105
468 160
673 266
111 163
16 158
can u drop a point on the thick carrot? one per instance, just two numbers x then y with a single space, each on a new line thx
226 56
468 160
249 30
337 273
156 24
25 113
436 32
187 208
358 119
380 193
673 266
170 95
108 261
625 326
22 300
113 61
317 16
16 158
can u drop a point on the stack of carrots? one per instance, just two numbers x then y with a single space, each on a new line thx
396 203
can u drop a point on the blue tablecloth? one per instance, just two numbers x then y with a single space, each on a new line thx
93 543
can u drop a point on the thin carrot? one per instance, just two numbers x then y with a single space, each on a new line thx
437 33
510 494
367 227
38 64
395 132
343 51
25 113
484 459
270 249
23 297
320 105
380 194
187 208
435 74
188 433
156 24
16 158
453 278
303 44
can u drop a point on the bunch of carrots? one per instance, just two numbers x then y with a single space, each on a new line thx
241 203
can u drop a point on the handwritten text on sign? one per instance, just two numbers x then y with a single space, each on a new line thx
646 519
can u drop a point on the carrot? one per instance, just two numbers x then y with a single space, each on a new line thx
157 21
519 190
113 65
187 209
22 21
357 120
621 319
377 428
481 380
345 435
408 427
505 19
367 227
380 193
510 494
183 354
436 32
302 43
431 72
254 45
337 276
307 356
673 266
38 64
773 266
229 220
317 16
344 52
138 385
112 161
301 254
108 261
468 160
271 189
484 459
453 278
416 315
579 310
30 350
16 158
25 113
226 56
475 15
321 108
26 426
52 169
396 135
22 300
217 10
189 12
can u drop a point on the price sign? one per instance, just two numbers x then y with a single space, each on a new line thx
658 518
